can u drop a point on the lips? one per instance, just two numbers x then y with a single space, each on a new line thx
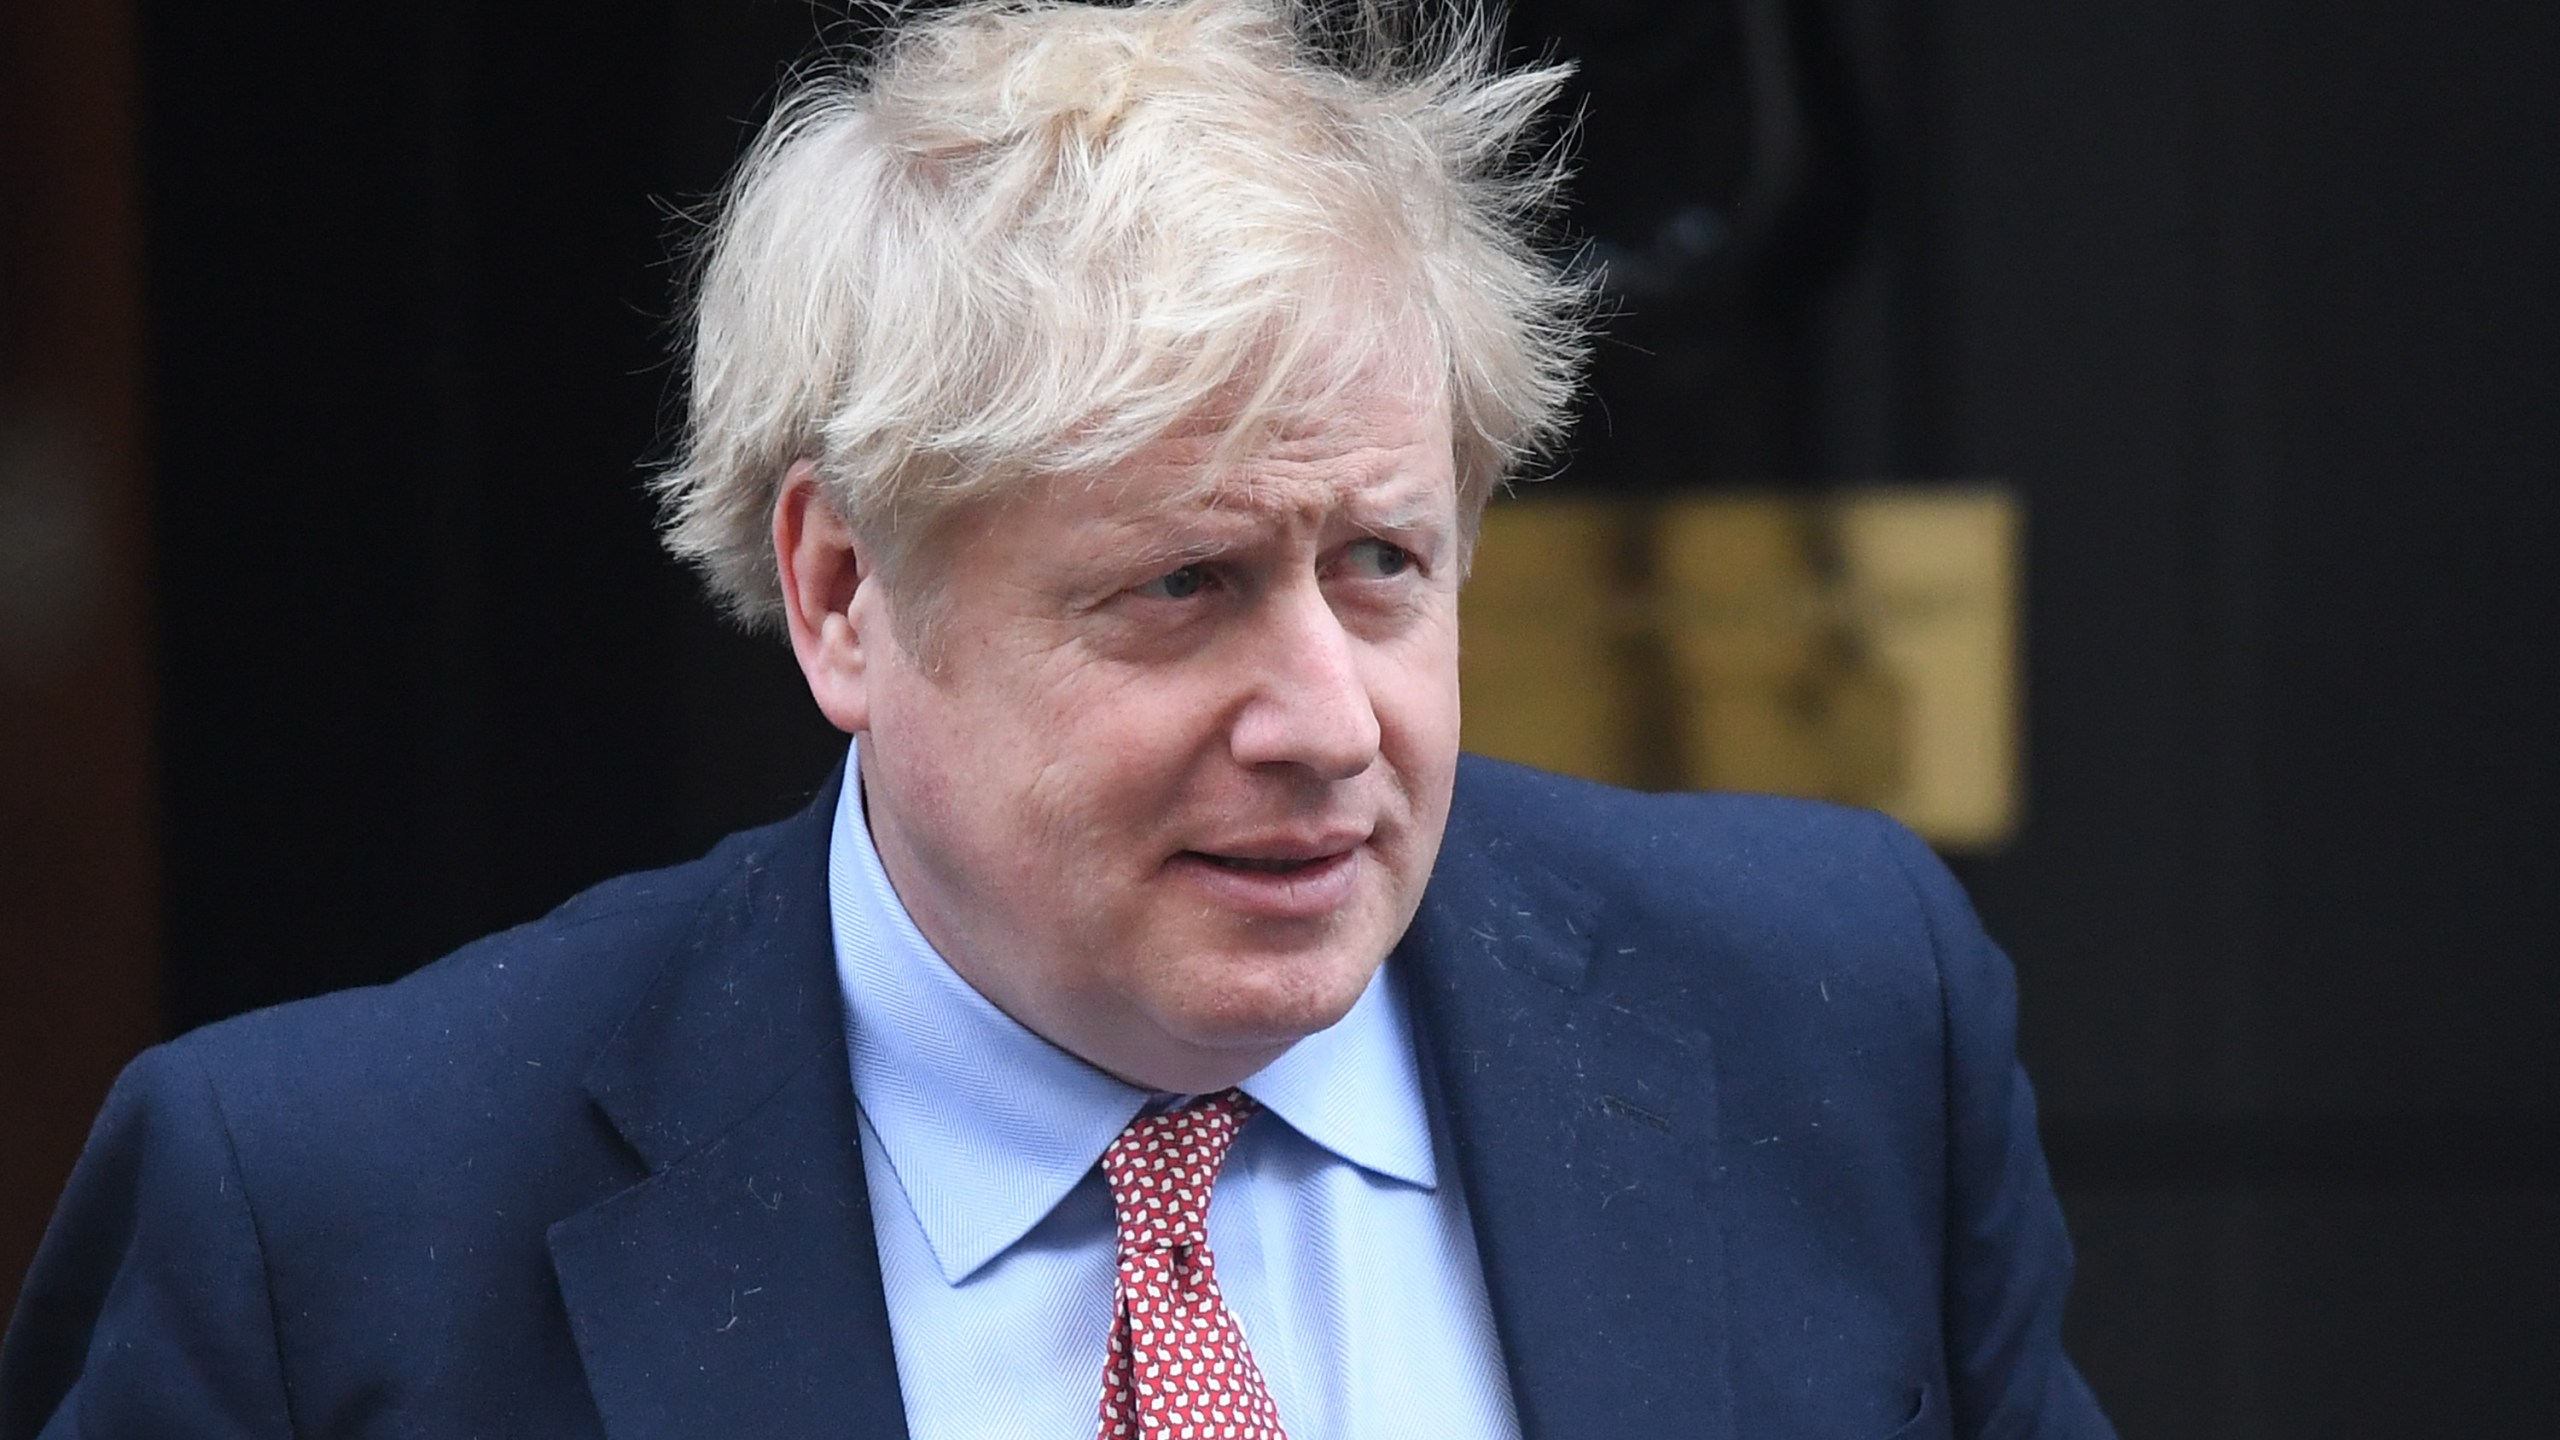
1280 853
1309 877
1264 865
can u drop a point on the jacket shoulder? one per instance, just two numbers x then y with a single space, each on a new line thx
1706 855
1789 928
421 1085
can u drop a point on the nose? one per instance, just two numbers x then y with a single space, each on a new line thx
1307 704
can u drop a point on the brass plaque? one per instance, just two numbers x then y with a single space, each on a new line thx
1859 647
1545 671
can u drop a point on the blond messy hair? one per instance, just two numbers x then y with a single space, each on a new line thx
1026 238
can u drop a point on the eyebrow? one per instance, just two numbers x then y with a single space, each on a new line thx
1187 545
1412 512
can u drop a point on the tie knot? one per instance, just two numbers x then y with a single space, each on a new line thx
1162 1167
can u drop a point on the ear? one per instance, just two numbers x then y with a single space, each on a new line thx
831 599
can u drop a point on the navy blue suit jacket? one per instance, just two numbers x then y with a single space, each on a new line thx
1730 1082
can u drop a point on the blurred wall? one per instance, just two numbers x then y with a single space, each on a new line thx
78 901
2254 301
424 671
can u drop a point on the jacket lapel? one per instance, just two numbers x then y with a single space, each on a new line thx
1584 1133
736 1291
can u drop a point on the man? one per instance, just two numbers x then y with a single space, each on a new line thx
1157 1029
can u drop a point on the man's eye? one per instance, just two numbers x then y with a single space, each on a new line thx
1179 584
1379 559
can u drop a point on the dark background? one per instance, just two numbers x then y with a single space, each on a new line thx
358 316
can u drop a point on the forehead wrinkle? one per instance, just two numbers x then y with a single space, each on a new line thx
1311 478
1409 505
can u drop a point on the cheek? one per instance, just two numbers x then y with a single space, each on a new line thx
954 758
1095 768
1417 689
1130 730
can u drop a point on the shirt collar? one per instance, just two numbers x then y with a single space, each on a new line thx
987 1126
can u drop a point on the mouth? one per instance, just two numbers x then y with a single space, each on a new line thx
1279 852
1298 879
1261 864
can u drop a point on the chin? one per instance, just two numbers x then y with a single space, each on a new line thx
1275 1004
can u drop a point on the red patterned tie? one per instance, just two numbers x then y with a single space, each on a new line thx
1178 1365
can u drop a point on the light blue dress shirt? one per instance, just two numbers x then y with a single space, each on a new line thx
1342 1243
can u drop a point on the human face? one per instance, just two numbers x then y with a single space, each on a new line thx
1170 783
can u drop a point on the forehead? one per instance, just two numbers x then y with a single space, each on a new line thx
1364 447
